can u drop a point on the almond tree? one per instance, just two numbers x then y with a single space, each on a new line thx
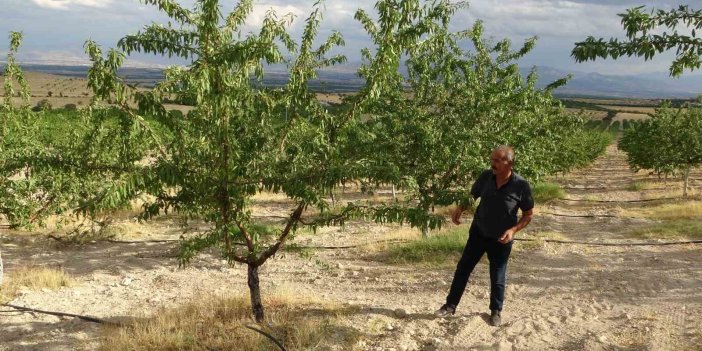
29 183
669 142
239 139
433 129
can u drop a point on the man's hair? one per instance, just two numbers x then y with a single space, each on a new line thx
508 150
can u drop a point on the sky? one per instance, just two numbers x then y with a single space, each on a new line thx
55 30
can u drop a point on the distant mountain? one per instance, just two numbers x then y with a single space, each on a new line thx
642 86
343 78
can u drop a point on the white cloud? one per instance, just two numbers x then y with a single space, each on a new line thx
64 4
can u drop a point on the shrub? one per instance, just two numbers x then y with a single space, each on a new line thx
42 105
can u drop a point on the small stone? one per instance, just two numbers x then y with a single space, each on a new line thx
503 345
126 281
602 338
400 313
355 273
553 320
390 327
45 290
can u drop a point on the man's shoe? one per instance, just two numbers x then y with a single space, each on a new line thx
495 319
445 311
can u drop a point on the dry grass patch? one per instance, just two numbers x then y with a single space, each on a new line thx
441 247
545 192
665 212
638 186
678 229
217 323
445 211
390 238
32 278
265 196
536 240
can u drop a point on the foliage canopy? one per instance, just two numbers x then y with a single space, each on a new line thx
644 41
669 142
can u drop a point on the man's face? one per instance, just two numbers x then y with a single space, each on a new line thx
499 163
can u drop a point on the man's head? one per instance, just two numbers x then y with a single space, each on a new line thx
501 160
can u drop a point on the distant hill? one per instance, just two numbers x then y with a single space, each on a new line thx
344 79
649 86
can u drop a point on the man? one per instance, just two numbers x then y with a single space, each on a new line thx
502 192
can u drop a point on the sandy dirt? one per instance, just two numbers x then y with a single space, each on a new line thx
61 90
58 90
559 297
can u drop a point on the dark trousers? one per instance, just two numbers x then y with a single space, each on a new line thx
497 253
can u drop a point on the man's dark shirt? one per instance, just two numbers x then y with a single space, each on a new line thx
497 210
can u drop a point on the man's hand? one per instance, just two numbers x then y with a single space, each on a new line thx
507 236
456 215
523 222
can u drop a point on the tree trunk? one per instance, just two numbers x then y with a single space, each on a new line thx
394 193
425 232
687 181
255 291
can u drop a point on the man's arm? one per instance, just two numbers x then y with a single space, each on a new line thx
523 222
456 215
475 191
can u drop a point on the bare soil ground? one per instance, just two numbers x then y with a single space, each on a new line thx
60 91
559 297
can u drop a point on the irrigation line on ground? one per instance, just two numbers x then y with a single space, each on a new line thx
389 241
62 314
685 242
403 241
63 240
142 241
580 216
625 201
